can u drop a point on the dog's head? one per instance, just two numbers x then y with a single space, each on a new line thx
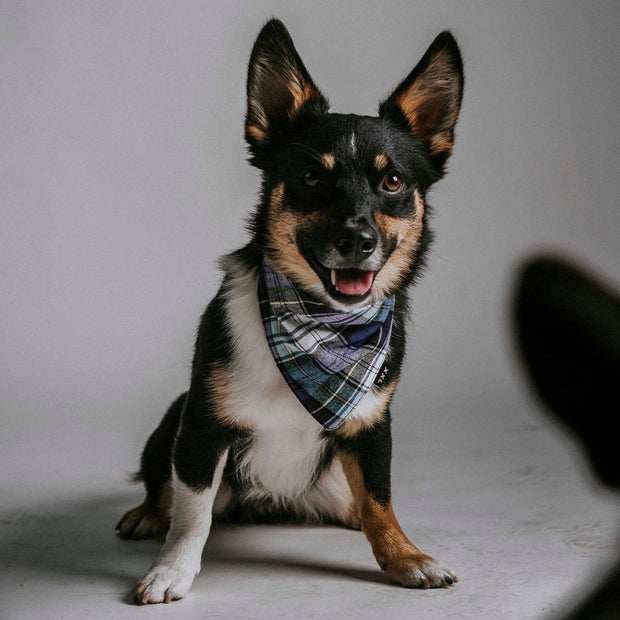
343 212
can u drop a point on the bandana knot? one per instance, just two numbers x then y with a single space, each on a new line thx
329 358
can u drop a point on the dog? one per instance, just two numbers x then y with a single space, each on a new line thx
297 357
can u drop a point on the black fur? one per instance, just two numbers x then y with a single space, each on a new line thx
372 449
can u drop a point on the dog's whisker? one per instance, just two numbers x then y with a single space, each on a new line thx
304 148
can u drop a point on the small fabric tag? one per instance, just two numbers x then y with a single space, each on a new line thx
382 375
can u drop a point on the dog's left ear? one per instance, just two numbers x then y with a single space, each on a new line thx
428 100
279 87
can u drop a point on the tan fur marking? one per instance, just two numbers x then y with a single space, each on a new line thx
428 98
379 523
301 94
407 232
254 132
148 519
217 385
328 160
353 520
394 552
283 227
258 124
381 161
164 505
354 477
353 425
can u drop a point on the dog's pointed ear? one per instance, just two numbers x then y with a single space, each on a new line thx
279 87
428 100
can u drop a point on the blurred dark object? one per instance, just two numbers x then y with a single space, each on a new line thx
568 332
567 326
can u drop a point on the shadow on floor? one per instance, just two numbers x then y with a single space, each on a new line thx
76 540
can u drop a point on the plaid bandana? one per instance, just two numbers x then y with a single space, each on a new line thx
328 357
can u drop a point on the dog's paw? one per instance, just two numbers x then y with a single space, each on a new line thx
162 585
419 571
139 523
352 521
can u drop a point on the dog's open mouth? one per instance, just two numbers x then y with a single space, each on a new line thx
348 285
352 281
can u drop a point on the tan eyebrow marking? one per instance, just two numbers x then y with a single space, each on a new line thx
328 160
381 161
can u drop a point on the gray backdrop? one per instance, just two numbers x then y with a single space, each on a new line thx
123 179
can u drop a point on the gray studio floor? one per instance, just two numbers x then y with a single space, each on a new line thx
511 510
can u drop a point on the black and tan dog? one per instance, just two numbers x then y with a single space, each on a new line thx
343 216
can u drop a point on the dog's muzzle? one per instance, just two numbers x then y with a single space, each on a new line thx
352 253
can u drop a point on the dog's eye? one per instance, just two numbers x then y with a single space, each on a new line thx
311 178
392 183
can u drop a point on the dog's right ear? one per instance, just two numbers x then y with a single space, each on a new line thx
428 101
279 87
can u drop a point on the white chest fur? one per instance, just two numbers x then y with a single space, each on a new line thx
288 443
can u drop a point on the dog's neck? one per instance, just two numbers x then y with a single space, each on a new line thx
329 358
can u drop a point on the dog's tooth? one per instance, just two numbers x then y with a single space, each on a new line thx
333 275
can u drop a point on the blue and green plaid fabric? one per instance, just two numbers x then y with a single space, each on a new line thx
329 358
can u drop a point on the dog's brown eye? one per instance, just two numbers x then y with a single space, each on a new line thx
311 178
392 183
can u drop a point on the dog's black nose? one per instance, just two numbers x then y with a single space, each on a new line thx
356 242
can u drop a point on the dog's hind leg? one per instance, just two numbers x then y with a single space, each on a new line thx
152 516
148 519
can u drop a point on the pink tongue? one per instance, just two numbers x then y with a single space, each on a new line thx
353 281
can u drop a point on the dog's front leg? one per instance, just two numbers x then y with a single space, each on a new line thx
178 562
366 463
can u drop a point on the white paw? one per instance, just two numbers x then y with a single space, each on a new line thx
420 571
433 574
162 585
